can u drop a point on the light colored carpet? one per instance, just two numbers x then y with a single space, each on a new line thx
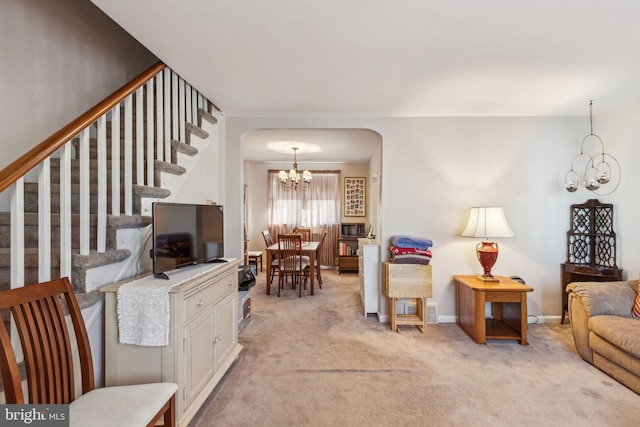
317 360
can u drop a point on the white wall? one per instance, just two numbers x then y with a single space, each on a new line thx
435 169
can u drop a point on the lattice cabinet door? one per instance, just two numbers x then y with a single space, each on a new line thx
591 240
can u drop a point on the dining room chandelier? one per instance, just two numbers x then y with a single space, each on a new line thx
598 170
293 180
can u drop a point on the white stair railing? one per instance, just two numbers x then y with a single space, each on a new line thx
164 101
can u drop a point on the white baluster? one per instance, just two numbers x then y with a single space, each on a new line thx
85 195
17 234
65 210
128 155
181 110
101 243
159 116
44 220
150 135
115 160
139 136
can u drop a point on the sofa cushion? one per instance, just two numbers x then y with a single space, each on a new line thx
609 298
622 332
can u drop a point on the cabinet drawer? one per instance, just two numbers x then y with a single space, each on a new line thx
209 294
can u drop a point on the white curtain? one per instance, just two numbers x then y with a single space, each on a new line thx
317 208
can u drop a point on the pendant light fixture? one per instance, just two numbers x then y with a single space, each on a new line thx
293 180
598 170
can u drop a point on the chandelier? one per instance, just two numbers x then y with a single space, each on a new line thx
598 171
292 179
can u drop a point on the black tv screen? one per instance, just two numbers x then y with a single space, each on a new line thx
185 234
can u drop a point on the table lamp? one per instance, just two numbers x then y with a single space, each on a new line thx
487 222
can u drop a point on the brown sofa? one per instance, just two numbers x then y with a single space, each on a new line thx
605 333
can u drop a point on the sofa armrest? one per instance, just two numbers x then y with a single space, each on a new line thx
610 298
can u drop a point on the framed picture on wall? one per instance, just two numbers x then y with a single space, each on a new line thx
355 196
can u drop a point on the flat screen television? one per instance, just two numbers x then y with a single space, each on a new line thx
185 234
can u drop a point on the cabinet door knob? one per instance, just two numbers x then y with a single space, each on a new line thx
200 303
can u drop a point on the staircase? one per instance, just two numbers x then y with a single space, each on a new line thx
65 220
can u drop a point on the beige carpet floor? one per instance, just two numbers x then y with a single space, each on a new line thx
317 361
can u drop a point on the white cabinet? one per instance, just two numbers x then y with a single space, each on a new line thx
203 338
369 272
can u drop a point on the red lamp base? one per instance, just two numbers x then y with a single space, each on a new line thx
487 252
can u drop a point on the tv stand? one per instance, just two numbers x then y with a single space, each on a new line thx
161 276
203 337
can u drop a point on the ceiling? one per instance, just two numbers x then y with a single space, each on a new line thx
379 58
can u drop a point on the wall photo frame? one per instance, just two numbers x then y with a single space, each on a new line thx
355 196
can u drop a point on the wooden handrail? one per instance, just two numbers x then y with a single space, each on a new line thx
46 148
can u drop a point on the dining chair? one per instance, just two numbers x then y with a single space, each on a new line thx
274 260
48 347
306 233
317 260
292 263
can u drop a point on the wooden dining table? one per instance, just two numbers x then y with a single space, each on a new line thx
309 249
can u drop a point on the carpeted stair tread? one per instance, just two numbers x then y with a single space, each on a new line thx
192 129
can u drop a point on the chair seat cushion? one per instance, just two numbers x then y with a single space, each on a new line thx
295 263
254 253
130 405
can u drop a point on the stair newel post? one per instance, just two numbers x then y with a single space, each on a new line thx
150 134
44 220
85 195
65 210
128 155
101 241
115 160
140 136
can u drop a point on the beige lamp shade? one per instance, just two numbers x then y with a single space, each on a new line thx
487 222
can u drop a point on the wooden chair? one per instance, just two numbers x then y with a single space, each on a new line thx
48 346
317 261
292 263
306 233
274 261
255 257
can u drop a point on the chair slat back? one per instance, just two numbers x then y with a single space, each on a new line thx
305 232
267 238
40 320
290 253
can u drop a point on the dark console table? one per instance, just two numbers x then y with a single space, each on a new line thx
582 273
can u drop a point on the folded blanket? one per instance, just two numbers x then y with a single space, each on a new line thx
410 242
410 259
403 251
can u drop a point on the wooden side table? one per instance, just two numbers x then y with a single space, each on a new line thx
509 306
